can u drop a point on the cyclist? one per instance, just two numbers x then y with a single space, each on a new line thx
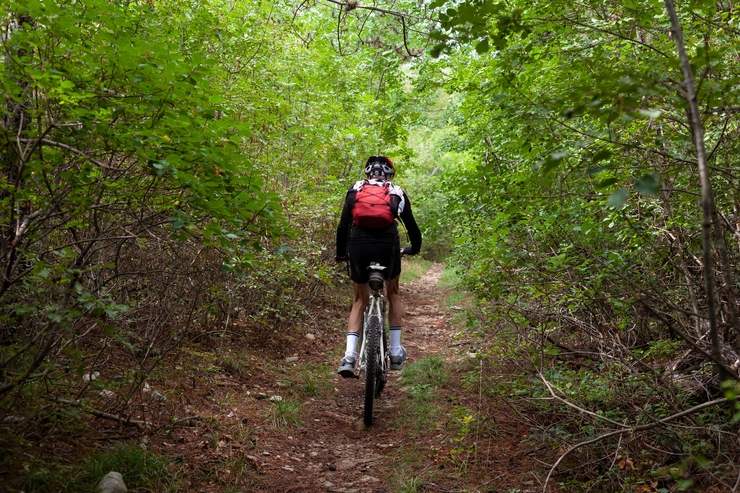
367 233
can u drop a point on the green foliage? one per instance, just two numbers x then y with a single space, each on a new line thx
561 177
139 467
464 422
173 170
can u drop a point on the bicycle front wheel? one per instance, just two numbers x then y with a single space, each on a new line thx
373 366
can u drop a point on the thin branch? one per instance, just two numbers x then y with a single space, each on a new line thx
395 13
339 31
718 360
611 33
616 452
633 429
576 407
73 150
405 38
719 139
38 359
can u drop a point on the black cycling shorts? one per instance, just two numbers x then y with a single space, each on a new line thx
367 246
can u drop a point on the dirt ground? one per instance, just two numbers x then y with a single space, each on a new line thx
247 436
257 410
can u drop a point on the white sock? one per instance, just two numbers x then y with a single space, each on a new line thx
352 338
395 340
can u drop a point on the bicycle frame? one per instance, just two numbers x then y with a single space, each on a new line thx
375 307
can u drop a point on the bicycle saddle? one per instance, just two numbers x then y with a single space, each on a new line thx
375 279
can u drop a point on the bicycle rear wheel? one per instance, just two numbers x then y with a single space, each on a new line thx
373 366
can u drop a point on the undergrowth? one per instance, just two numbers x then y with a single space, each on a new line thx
414 268
408 475
140 468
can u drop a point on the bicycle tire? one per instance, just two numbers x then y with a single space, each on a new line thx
382 368
372 366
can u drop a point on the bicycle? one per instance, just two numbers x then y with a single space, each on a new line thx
374 357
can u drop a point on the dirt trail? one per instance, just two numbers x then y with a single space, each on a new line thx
333 451
238 447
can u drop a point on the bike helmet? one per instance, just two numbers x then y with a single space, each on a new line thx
379 167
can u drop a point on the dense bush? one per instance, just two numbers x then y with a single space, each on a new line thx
570 197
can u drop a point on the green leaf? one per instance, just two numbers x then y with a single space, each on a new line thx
617 199
684 484
647 184
552 161
482 46
161 167
436 50
601 155
607 182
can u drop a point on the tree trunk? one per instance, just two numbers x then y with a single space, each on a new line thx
707 200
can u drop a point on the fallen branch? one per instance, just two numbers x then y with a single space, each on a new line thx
101 414
628 429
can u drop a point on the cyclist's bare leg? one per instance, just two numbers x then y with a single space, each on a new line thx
359 301
396 309
354 330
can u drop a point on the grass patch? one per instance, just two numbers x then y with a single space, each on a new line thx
422 380
451 278
233 364
285 413
313 380
141 470
456 300
414 268
420 408
410 484
426 371
406 477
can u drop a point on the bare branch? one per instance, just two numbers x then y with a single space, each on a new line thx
73 150
357 5
707 200
574 406
633 429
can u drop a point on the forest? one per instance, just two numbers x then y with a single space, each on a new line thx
172 176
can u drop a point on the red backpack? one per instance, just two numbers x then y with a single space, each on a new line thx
372 208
